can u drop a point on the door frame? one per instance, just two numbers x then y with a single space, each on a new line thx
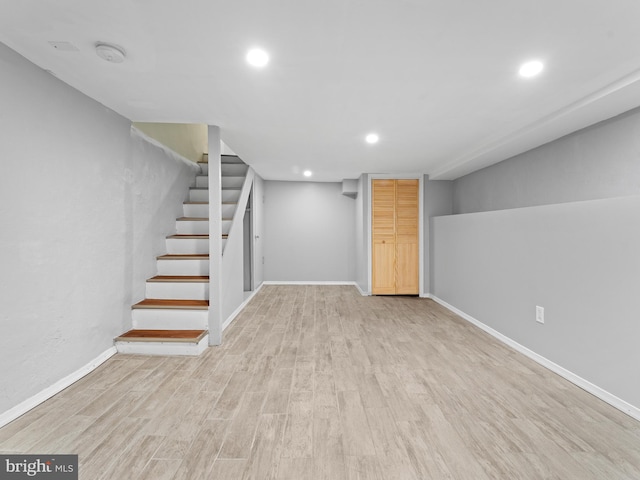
369 220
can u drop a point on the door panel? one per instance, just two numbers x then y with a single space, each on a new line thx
407 249
407 279
383 194
384 272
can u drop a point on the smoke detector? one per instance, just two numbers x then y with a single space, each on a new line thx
110 53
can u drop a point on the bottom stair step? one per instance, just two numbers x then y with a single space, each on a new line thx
177 304
164 335
163 342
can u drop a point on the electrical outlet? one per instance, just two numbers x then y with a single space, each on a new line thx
539 314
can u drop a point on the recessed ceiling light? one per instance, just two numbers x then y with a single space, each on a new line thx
307 173
372 138
531 69
257 57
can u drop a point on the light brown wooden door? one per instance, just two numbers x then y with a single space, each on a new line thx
395 248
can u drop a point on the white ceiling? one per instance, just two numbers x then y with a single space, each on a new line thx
436 79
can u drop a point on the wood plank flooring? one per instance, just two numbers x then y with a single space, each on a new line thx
317 382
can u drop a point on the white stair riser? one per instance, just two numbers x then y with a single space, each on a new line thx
233 169
196 210
178 290
228 210
205 168
231 159
187 245
202 181
226 226
232 182
183 267
192 227
198 195
230 195
169 319
163 348
224 242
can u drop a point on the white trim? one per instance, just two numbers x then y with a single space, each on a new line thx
139 133
164 348
362 292
237 311
421 239
595 390
215 238
32 402
304 282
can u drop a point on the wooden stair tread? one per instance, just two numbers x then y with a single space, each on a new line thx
193 219
172 304
185 336
184 256
189 236
180 278
195 203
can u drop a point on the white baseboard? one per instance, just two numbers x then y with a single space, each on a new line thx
47 393
362 292
595 390
164 348
237 311
312 282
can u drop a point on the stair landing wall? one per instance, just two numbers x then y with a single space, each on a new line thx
160 183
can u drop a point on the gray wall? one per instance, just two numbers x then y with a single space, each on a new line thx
159 185
309 232
233 286
577 260
258 231
362 233
438 200
73 216
602 161
573 250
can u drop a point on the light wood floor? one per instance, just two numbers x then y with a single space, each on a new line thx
318 382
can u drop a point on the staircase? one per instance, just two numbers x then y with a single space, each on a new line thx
173 318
